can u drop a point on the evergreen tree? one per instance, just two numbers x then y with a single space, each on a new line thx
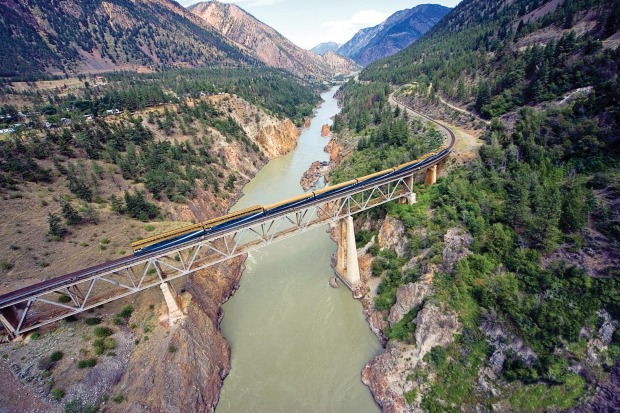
69 213
56 229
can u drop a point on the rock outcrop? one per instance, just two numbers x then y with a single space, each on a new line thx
408 297
274 137
391 236
325 131
190 377
457 243
311 177
386 375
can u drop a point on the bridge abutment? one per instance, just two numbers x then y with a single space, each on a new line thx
172 300
347 266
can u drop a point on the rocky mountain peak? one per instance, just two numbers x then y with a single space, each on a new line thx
265 43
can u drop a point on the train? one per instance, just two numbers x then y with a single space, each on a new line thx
238 218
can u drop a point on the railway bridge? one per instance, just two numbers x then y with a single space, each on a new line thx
57 298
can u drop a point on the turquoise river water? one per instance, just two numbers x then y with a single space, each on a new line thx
298 345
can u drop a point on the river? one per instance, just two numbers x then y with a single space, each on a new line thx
298 345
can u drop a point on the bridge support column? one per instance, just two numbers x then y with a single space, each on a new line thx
431 175
347 266
410 198
172 300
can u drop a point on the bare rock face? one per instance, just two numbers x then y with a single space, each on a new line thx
386 375
607 396
391 235
379 375
435 327
407 298
325 131
278 139
457 247
188 365
274 137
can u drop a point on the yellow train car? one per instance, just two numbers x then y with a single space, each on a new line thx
288 201
233 215
375 175
138 245
337 186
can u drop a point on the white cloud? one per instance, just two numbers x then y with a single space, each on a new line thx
342 31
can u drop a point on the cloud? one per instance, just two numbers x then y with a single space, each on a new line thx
342 31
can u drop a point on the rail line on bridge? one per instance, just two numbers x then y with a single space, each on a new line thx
52 300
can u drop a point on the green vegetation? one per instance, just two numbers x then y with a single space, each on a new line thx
542 183
103 344
102 331
387 137
57 394
78 406
86 363
92 321
56 356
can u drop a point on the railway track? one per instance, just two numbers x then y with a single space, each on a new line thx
19 301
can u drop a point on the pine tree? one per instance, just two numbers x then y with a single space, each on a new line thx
69 213
56 229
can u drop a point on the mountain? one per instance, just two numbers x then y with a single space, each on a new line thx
396 33
53 36
323 48
265 44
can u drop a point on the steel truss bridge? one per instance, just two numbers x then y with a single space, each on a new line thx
52 300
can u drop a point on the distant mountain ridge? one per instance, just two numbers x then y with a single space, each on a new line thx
266 44
393 35
323 48
51 36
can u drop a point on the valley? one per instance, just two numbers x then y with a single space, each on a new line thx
494 288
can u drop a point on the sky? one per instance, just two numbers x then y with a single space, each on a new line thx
310 22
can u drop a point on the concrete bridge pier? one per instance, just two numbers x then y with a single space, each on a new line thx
172 300
347 266
431 175
410 198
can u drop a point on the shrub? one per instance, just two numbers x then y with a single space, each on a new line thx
57 393
92 321
410 396
103 331
63 299
87 363
172 348
118 399
35 336
78 406
56 356
126 312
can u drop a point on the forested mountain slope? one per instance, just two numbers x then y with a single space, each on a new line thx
521 245
396 33
42 36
